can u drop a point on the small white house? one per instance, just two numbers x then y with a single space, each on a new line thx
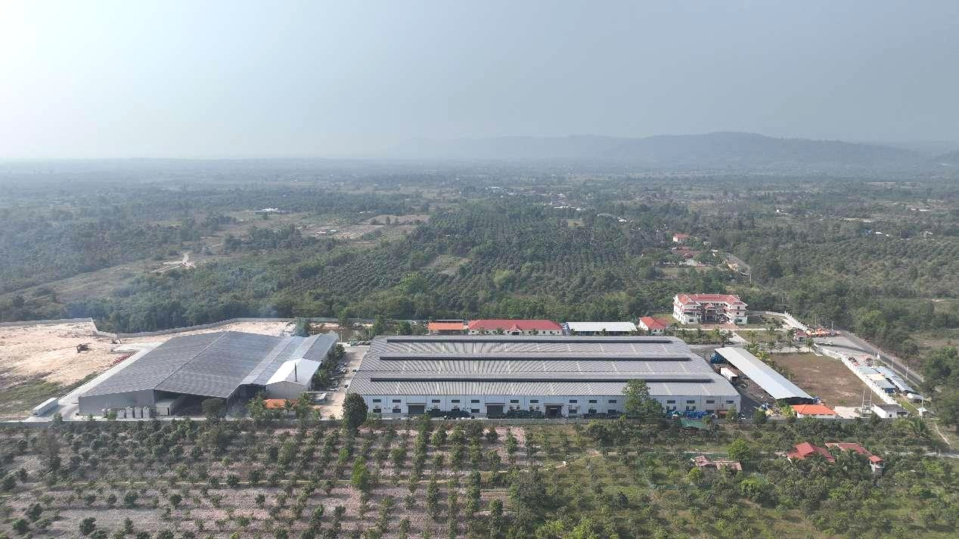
889 411
652 325
291 379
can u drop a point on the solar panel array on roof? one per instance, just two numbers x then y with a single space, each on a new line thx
771 381
477 365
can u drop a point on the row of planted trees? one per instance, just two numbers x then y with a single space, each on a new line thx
270 478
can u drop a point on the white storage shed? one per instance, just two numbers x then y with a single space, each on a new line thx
291 379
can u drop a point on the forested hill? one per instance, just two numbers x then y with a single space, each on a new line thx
712 150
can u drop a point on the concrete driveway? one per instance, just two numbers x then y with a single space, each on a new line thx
334 400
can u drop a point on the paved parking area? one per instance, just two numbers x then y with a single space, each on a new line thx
334 399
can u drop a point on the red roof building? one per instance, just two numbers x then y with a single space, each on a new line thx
709 309
817 411
446 327
805 450
652 325
680 238
875 462
514 327
274 404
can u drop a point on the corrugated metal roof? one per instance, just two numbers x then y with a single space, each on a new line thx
219 369
295 370
322 344
897 380
508 324
155 366
478 365
287 349
212 364
771 381
314 348
598 327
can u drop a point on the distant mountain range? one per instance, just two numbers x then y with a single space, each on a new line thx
712 150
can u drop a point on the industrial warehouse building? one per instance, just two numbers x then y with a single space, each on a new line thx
773 383
558 376
610 329
228 365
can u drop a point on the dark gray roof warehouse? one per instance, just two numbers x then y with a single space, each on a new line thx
409 371
207 365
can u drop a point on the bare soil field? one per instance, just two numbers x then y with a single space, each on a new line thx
50 352
278 328
823 377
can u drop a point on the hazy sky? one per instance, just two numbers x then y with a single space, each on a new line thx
274 78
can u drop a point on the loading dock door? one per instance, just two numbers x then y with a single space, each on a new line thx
494 410
417 409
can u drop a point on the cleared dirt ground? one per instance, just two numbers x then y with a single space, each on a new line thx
823 377
50 352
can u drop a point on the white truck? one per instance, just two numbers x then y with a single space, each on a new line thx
46 406
728 374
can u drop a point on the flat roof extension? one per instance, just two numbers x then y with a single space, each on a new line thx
777 385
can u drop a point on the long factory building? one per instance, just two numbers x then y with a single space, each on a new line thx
229 365
558 376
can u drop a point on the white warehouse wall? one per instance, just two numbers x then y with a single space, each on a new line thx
285 390
584 403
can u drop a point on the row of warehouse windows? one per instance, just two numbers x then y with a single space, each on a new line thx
535 401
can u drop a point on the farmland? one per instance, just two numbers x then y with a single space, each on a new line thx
468 242
417 478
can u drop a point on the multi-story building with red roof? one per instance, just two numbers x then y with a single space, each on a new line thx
709 309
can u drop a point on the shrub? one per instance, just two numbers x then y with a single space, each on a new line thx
87 525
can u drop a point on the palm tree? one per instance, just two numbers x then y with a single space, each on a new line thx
918 429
